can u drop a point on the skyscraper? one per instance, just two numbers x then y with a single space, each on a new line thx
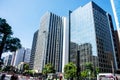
91 29
117 48
8 59
35 37
21 55
116 11
27 54
49 48
13 58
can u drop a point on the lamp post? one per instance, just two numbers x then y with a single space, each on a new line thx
89 75
113 71
78 65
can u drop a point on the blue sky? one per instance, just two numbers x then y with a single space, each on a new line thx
24 15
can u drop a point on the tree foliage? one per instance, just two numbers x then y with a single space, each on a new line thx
7 42
12 44
5 29
26 66
48 69
90 71
84 74
29 72
70 70
9 69
89 66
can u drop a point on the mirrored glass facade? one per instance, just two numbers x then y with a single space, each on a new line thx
116 10
82 27
91 25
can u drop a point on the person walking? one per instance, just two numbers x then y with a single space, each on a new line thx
3 77
14 77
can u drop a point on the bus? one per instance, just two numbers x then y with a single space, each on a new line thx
107 76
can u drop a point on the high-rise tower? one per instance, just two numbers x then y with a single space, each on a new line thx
19 56
32 56
116 11
91 30
49 48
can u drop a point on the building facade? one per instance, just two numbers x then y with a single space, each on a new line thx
49 48
86 55
7 60
117 48
73 52
116 11
21 55
13 58
27 54
32 56
91 28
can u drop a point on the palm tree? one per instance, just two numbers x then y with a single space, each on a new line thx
7 43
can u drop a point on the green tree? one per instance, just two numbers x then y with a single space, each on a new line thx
84 74
70 70
25 66
29 72
7 43
91 70
89 66
9 69
96 71
48 69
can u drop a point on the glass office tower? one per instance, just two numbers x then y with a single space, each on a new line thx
49 48
32 56
91 30
116 10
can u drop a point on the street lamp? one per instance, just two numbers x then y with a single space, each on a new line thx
89 75
78 65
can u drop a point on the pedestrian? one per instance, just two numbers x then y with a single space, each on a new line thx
60 77
116 78
3 77
14 77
